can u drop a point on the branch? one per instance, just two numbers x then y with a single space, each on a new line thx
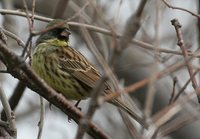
42 117
184 86
182 46
96 29
15 98
9 114
142 83
20 13
179 8
15 37
22 71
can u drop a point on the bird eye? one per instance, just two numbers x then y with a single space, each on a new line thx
65 33
67 30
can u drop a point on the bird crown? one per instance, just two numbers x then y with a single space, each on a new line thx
58 23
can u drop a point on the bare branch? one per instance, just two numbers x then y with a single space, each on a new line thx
19 69
179 8
9 114
182 46
42 116
97 29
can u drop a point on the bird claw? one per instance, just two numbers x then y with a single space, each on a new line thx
76 105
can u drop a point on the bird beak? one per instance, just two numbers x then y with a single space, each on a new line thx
65 33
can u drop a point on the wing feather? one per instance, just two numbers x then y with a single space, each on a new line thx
80 68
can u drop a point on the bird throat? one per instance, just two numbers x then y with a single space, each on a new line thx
58 42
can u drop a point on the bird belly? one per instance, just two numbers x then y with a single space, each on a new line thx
59 80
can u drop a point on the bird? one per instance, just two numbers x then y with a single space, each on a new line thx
65 69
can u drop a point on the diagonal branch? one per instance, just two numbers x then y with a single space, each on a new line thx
96 29
181 44
9 114
17 67
181 9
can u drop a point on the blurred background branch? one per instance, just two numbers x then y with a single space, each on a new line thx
146 41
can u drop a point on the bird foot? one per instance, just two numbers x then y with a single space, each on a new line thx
76 105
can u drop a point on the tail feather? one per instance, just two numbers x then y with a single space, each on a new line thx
128 106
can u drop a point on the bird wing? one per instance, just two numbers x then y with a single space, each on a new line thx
78 66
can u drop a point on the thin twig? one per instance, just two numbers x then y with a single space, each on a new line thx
4 124
100 59
96 29
180 122
31 29
49 28
23 14
15 37
145 81
182 46
175 80
183 88
168 113
33 11
42 116
151 91
109 74
75 7
27 13
132 26
99 88
9 114
179 8
79 12
130 126
31 23
93 105
15 98
26 45
4 71
60 8
3 36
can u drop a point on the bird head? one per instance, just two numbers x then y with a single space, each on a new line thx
57 30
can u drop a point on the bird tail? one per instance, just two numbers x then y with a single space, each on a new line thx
125 103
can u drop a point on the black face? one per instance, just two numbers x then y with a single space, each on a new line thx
63 34
60 33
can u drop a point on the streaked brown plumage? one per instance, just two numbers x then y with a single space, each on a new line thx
65 69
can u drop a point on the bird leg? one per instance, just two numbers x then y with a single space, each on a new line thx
76 105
